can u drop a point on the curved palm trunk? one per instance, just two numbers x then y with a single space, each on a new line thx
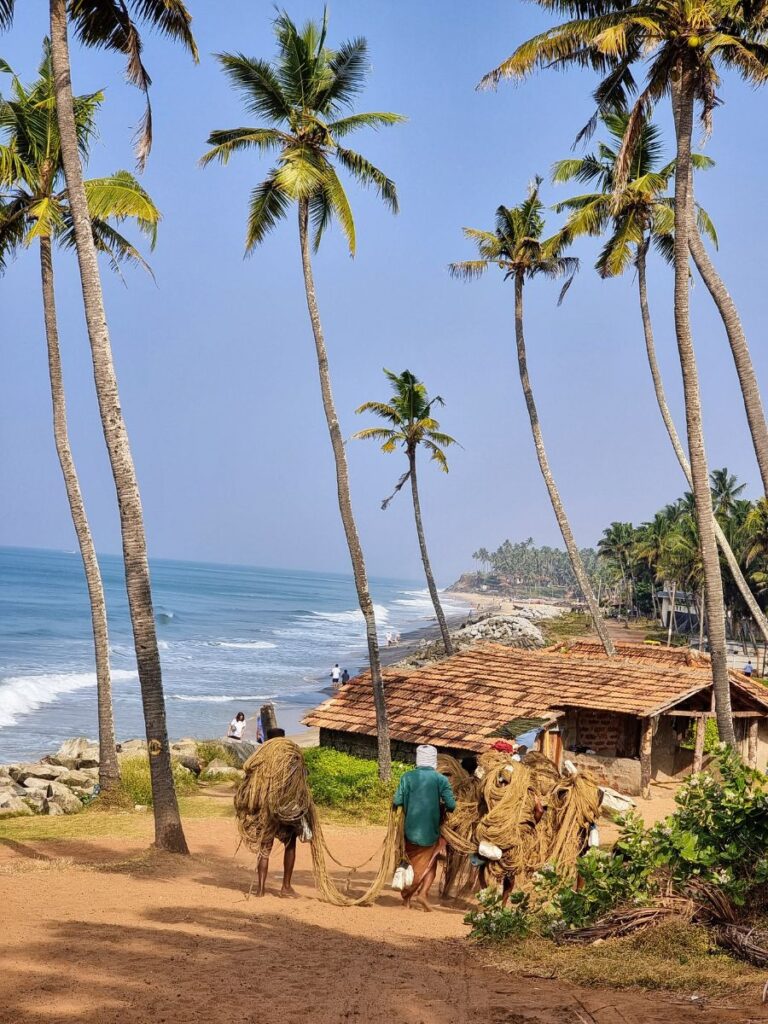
345 501
682 104
168 831
738 342
425 557
109 772
554 496
722 541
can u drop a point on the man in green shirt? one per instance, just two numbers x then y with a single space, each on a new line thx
421 794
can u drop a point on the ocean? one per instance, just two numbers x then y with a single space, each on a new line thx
231 638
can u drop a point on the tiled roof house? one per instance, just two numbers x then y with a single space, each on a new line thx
618 709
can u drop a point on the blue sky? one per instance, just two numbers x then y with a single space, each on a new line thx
216 361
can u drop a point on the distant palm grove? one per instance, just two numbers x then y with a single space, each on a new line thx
633 565
302 104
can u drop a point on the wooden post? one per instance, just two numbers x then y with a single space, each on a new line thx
646 749
268 717
698 750
752 742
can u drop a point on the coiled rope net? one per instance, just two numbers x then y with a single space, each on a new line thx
274 801
497 806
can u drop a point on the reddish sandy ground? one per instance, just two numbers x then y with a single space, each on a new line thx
174 941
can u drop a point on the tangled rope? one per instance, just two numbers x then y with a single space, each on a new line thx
274 801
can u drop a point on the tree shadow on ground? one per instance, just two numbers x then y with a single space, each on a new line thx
186 964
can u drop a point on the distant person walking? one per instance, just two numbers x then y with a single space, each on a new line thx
344 677
236 727
335 675
748 670
422 794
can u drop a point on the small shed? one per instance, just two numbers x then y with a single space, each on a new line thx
626 717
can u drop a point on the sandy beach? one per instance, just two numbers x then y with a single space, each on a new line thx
99 931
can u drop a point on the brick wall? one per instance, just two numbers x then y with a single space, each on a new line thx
598 730
365 746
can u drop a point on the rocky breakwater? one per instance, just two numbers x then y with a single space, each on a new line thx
59 784
64 782
518 628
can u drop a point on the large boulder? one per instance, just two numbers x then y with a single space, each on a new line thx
131 748
35 785
240 749
48 772
76 753
13 806
219 771
77 779
63 797
184 748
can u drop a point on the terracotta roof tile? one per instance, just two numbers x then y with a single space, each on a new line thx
462 700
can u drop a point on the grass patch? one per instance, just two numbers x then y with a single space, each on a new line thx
672 956
564 627
210 750
91 823
350 785
136 782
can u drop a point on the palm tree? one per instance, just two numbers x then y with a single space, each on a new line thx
517 247
726 490
113 25
305 97
682 46
617 547
639 216
409 414
34 207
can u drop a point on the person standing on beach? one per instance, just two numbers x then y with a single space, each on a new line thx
422 794
344 677
748 669
335 676
236 727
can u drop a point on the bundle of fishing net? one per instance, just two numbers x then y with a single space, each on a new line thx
274 801
499 809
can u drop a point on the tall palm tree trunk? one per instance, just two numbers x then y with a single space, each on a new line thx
169 834
425 557
109 772
722 541
345 501
554 496
741 356
682 104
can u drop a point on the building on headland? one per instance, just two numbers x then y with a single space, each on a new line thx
625 718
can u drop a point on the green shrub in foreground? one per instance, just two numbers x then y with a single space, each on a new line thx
136 783
349 783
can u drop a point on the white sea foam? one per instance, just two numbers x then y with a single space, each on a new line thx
353 616
222 698
245 645
20 695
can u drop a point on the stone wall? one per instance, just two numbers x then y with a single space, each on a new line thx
620 773
359 745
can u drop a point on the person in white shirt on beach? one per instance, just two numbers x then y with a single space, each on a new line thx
236 727
335 676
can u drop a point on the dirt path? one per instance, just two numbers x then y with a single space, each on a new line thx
174 941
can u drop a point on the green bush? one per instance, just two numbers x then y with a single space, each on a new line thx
136 783
711 737
350 784
494 922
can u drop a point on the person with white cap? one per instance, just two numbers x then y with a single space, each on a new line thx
422 794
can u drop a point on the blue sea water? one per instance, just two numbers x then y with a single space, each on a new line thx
231 637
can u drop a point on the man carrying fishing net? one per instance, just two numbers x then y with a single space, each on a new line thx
422 794
273 802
